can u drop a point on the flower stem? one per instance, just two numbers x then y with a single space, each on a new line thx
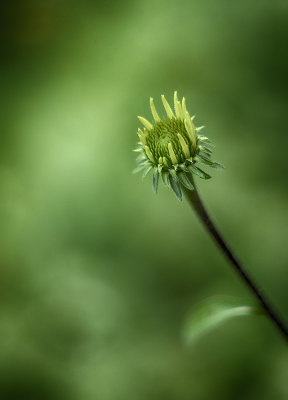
196 202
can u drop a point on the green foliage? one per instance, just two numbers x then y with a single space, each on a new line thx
97 273
206 317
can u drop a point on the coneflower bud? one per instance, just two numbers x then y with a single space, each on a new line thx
172 146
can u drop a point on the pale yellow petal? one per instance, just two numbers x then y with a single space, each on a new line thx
184 106
153 110
176 106
180 110
172 154
142 138
149 154
165 161
190 128
167 107
145 122
184 146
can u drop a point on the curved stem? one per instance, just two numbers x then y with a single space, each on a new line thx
196 202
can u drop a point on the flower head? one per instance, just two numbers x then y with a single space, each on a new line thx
172 146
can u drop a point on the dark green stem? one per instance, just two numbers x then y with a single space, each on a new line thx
196 202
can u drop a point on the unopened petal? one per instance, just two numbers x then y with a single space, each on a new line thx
149 154
145 122
172 154
184 146
154 111
167 107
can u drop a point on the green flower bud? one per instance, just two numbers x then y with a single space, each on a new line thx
172 146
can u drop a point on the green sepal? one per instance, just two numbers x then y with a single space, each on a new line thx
138 150
203 154
197 171
203 160
206 161
141 157
165 178
217 165
185 180
146 172
205 139
199 128
139 168
144 160
175 187
184 167
205 149
205 145
173 174
155 179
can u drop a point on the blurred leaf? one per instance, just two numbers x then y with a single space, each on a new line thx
210 315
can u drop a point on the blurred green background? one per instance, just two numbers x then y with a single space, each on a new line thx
98 275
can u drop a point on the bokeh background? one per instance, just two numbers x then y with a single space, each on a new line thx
99 275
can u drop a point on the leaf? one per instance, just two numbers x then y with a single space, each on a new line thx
209 316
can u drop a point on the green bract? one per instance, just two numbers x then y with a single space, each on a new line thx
172 147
